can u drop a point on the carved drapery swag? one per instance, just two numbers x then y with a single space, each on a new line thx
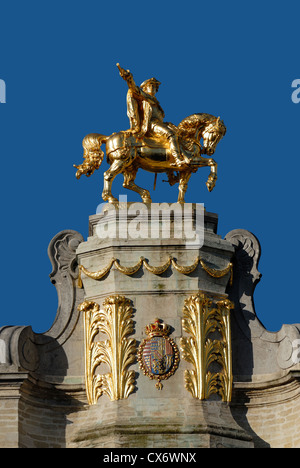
118 351
156 270
208 348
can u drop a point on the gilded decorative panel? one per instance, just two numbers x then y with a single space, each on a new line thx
208 347
117 352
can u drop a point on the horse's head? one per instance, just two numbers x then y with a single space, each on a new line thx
205 126
212 134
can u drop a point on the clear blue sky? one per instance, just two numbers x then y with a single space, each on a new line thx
233 59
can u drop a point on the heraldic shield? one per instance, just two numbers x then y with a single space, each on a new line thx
158 354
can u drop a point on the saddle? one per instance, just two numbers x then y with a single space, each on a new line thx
157 149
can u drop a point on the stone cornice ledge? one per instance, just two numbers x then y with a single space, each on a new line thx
267 389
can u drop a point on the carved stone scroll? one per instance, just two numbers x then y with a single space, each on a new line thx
252 342
64 275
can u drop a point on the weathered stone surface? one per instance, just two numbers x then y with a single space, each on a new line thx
42 376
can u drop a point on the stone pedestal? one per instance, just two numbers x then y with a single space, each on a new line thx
128 263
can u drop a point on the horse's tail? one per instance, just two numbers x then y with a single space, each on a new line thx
92 155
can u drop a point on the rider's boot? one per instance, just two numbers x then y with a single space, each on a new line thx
180 161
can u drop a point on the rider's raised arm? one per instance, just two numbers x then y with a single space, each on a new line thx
127 76
136 90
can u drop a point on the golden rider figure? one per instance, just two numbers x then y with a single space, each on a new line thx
146 115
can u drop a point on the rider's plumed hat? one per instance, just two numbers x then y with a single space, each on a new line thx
150 81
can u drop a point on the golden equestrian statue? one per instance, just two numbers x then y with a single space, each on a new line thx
152 144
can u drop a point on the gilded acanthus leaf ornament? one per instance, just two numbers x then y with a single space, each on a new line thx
117 352
207 322
153 144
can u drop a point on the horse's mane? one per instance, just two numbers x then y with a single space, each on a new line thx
186 128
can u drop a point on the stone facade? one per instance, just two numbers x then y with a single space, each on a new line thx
43 400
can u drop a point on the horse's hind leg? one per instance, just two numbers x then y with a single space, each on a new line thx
129 176
109 176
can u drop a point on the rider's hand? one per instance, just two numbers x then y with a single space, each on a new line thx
140 135
125 74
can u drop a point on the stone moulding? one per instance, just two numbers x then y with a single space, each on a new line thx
118 352
208 324
186 270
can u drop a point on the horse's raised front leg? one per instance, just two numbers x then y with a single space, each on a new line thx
129 177
212 178
183 184
109 175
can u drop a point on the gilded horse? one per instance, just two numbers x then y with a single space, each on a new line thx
126 154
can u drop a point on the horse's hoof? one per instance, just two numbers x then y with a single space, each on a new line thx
146 197
109 198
